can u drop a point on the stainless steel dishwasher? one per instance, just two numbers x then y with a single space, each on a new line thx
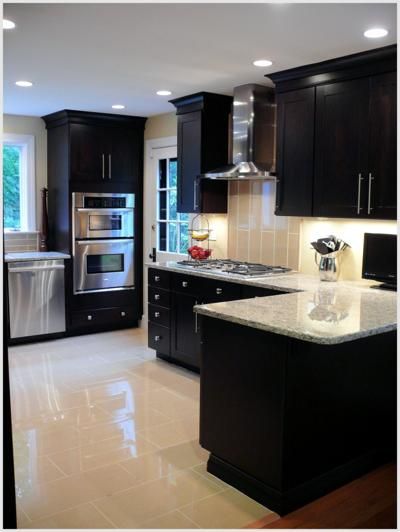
36 297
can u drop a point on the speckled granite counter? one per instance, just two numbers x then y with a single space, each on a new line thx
35 255
308 309
328 315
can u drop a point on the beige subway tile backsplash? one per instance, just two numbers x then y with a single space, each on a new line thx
255 234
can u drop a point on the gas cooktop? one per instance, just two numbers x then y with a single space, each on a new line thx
227 266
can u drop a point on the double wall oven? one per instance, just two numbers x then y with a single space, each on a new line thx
103 241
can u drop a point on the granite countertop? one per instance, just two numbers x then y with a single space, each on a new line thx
35 255
308 309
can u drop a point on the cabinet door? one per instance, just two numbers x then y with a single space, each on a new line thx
88 157
295 157
341 144
189 161
382 176
123 155
185 334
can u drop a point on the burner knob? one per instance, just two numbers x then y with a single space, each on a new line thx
218 291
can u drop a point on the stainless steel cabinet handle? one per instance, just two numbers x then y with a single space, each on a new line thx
109 166
91 242
218 291
157 297
157 338
123 314
156 314
370 179
360 178
195 320
43 269
156 278
184 284
89 317
102 165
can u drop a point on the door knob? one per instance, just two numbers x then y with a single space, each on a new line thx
184 284
156 314
157 278
157 297
157 338
89 317
123 314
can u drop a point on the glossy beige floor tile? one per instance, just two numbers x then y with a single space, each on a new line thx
153 499
85 516
106 436
227 509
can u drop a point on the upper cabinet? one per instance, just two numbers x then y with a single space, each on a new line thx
336 138
203 145
104 150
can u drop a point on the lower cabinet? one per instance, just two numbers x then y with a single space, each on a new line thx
173 328
87 320
185 336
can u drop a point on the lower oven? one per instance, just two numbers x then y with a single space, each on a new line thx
103 265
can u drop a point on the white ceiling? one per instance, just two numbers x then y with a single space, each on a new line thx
90 56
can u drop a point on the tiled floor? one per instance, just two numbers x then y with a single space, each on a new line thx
106 436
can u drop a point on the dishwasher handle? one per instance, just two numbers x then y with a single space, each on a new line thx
36 269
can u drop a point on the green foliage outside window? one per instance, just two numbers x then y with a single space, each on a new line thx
11 186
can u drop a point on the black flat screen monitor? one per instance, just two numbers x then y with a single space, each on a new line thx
380 259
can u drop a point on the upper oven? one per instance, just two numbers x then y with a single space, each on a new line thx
102 215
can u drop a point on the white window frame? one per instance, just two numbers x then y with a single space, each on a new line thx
27 180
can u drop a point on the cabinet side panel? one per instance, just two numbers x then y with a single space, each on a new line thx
242 398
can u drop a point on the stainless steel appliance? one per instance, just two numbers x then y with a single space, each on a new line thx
103 241
103 264
36 297
228 266
98 215
254 125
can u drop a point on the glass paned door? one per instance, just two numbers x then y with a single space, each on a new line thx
171 238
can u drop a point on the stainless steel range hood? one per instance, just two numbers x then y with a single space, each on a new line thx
253 135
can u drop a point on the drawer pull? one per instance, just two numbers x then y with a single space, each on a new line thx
89 317
156 297
184 284
157 338
218 291
157 278
156 314
123 314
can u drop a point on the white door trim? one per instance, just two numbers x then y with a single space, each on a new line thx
148 211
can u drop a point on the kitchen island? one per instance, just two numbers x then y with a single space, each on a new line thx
298 391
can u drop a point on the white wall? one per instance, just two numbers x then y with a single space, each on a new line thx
32 125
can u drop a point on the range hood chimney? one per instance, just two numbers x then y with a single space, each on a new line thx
253 136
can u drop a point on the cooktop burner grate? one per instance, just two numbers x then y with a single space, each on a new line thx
235 266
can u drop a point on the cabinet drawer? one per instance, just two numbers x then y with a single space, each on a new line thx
159 315
257 291
158 278
187 284
158 338
158 296
104 316
215 291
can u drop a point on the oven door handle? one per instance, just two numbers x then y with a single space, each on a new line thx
92 241
110 210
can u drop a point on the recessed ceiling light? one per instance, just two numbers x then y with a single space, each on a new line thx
24 83
262 63
164 93
8 24
375 33
118 106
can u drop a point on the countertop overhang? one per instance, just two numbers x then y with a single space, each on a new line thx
308 309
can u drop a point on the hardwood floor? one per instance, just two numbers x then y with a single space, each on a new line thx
367 502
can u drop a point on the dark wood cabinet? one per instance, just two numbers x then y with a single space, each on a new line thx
203 139
336 137
174 329
95 152
295 152
341 148
185 333
382 148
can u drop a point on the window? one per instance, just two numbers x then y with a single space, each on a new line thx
18 182
172 227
